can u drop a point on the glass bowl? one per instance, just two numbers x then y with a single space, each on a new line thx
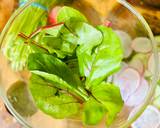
124 20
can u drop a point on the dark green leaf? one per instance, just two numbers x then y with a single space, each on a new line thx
59 40
67 13
109 95
19 96
93 112
106 58
56 72
50 101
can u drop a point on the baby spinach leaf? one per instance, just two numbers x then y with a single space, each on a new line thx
40 87
53 30
93 112
106 58
59 40
88 38
56 72
67 13
51 101
109 95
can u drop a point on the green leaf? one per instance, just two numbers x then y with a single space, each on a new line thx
106 58
67 13
37 85
59 40
109 95
53 30
55 72
20 98
88 38
93 112
52 102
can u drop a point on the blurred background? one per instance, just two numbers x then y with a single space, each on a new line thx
150 9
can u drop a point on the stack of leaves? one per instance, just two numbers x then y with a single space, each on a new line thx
70 65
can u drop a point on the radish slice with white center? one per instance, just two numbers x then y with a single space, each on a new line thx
151 63
137 64
139 95
142 45
123 67
149 119
128 81
126 42
52 18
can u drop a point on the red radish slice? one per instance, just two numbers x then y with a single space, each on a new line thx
139 95
143 58
52 18
151 63
108 23
126 42
142 45
137 64
128 81
149 119
123 67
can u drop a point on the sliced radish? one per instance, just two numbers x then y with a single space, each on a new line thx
137 64
143 58
128 81
123 67
108 23
149 119
139 95
126 42
151 63
142 45
52 18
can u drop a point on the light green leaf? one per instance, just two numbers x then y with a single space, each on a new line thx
93 112
67 13
109 95
88 38
106 58
59 40
51 101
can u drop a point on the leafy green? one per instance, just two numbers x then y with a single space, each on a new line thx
20 98
109 95
106 59
69 62
67 13
51 101
93 112
88 38
59 40
56 72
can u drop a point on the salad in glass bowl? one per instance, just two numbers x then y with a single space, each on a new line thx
65 64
